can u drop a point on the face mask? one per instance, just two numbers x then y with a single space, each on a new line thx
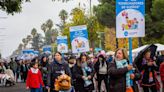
71 65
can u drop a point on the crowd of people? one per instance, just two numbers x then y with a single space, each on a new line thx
87 73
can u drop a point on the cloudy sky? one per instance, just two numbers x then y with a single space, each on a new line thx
14 28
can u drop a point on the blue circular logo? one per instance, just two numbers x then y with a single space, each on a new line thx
126 33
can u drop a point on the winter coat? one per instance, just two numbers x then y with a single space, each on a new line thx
44 71
145 71
78 72
34 80
13 65
118 78
55 69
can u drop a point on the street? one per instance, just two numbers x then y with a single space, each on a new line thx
19 87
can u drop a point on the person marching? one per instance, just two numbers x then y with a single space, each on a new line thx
119 72
34 78
57 68
84 73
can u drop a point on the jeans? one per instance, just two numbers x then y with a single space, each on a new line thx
35 90
100 78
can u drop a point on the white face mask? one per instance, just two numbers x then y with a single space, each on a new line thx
71 65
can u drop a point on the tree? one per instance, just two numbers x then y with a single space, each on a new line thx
37 42
94 28
105 13
79 18
24 40
63 16
48 31
54 34
29 38
154 22
33 32
15 6
11 6
20 47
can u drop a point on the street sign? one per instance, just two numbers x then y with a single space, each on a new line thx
130 21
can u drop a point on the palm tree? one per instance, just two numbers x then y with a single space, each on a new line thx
54 35
49 24
25 41
29 38
33 32
43 27
63 16
47 28
20 47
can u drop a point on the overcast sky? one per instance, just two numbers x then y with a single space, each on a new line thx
14 28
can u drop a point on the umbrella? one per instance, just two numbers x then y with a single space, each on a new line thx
138 59
160 47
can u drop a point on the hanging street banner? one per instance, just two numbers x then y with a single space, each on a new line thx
47 49
27 54
79 39
28 51
62 44
130 20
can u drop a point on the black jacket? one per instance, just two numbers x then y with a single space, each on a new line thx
55 69
78 76
22 69
118 78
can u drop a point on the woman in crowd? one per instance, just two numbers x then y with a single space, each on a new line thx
44 70
148 71
120 76
57 68
24 70
101 67
72 62
84 73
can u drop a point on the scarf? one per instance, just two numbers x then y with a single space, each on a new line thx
33 70
121 64
86 69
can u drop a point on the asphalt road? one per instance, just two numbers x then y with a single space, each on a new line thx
19 87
